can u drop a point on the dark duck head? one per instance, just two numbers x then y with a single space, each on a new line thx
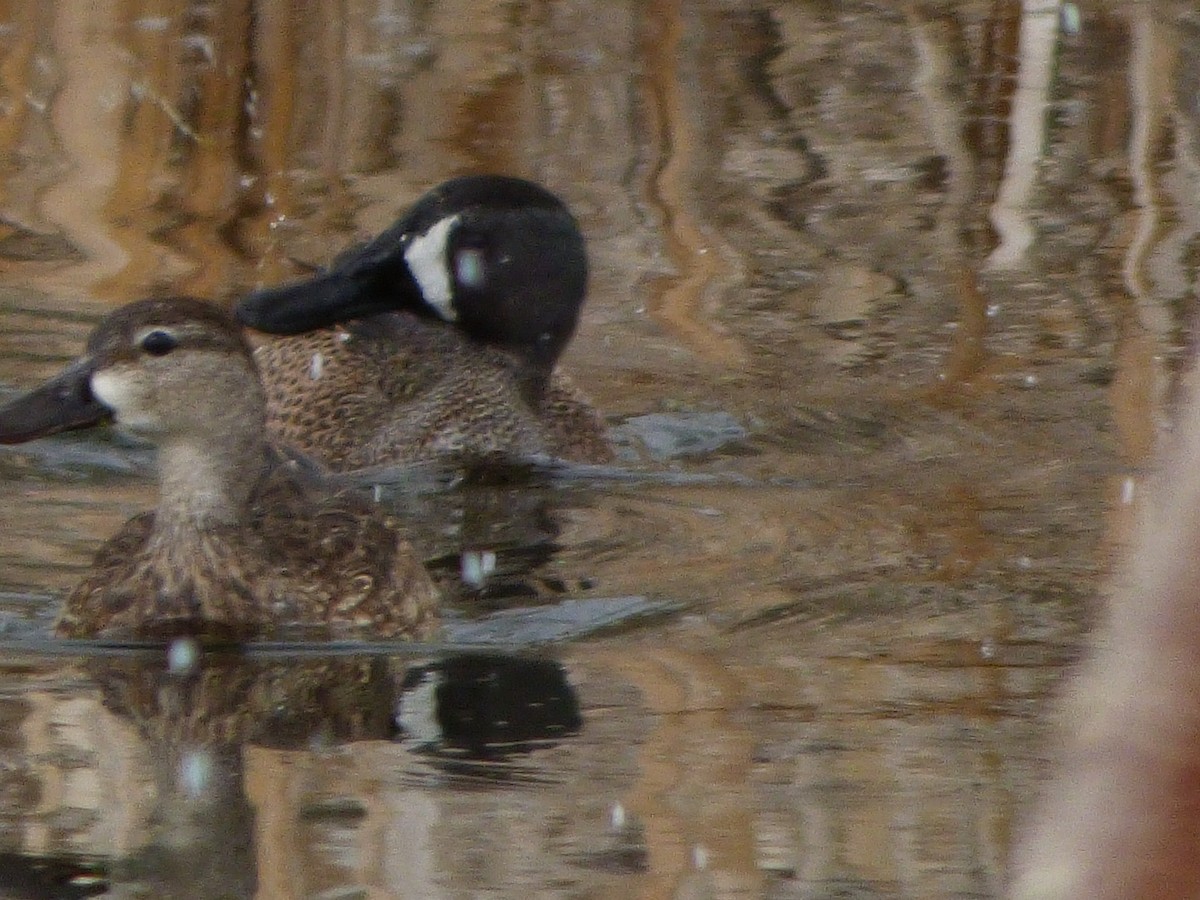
499 258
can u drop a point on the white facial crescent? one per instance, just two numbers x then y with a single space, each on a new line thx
426 258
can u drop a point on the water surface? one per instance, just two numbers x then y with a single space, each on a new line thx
888 308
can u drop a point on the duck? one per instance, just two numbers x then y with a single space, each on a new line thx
246 540
436 340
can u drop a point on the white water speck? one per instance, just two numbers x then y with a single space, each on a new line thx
182 656
152 23
1072 20
201 43
616 816
477 566
469 268
1128 490
195 773
316 366
700 856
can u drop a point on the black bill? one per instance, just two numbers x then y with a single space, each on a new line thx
63 403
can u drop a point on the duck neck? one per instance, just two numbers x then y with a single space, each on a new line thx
207 481
534 381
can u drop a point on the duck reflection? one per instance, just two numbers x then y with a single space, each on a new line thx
489 537
24 876
487 706
205 771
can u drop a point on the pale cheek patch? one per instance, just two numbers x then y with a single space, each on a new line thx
124 397
426 259
111 390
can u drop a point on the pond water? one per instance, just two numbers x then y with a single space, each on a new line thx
888 307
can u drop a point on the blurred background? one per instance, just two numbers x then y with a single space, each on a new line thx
889 305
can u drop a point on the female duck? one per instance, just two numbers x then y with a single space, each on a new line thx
483 280
241 543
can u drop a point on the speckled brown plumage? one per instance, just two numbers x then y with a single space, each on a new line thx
226 700
459 313
242 542
397 389
302 557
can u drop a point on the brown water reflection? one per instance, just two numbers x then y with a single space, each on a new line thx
934 260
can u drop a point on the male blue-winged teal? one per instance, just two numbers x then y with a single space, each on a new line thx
461 311
241 543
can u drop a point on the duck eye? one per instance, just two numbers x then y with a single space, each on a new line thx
159 343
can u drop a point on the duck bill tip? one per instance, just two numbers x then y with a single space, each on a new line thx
64 403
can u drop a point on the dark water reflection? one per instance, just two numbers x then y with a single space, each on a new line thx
888 308
181 777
